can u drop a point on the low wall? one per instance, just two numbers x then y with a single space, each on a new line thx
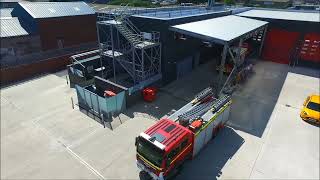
17 73
12 74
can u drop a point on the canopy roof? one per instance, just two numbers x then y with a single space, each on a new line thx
284 15
220 30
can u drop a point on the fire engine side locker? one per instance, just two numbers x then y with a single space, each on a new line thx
203 136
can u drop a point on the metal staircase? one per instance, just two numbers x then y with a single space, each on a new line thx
139 56
130 32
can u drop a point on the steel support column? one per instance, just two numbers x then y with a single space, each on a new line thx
142 64
262 40
100 48
113 58
134 65
238 57
159 71
223 61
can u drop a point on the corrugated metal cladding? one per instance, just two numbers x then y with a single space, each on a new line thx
56 9
6 12
12 27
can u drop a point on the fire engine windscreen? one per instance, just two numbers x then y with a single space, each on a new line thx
149 151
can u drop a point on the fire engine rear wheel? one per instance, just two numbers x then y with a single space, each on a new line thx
143 175
174 172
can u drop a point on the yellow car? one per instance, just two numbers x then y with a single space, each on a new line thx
311 109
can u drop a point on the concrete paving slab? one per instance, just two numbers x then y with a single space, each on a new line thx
22 90
30 154
12 119
69 126
103 149
279 163
215 155
258 175
298 87
251 115
28 149
234 170
125 168
41 135
291 148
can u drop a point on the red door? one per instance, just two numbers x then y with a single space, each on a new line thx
278 45
310 49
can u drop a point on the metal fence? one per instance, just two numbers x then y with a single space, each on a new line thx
102 107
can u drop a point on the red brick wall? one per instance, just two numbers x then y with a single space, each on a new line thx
74 30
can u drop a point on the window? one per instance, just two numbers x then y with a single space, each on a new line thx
184 144
313 106
158 137
150 152
170 128
172 155
178 36
176 151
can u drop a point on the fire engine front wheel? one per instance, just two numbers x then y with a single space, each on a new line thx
143 175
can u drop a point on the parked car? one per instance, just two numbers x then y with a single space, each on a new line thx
311 109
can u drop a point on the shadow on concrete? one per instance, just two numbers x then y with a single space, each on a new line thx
308 64
23 81
313 71
255 100
214 156
176 94
313 123
164 105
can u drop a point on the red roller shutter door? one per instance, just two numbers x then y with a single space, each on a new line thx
278 45
310 50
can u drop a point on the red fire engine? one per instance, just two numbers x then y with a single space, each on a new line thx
164 147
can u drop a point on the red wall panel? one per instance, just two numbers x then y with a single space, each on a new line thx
278 45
